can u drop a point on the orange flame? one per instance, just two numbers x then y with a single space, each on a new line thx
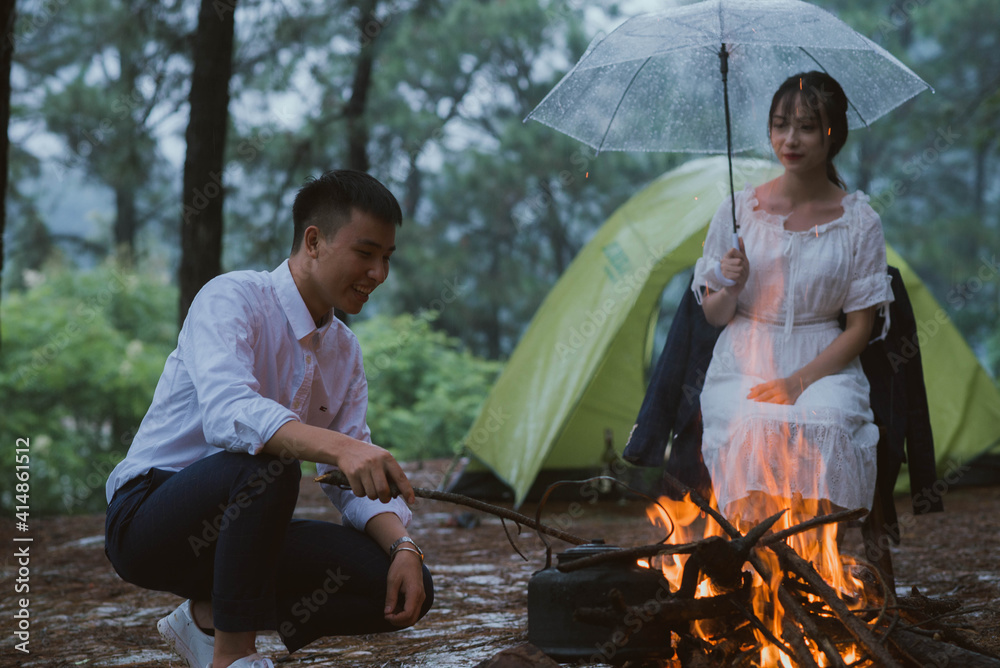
819 546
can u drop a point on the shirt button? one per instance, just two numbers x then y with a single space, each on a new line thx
309 359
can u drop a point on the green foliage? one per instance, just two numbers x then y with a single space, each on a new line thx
424 389
81 355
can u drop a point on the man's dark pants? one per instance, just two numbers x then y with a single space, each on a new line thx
221 529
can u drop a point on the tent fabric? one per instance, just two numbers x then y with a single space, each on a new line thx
579 368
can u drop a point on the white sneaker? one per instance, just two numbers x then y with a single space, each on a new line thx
184 637
252 661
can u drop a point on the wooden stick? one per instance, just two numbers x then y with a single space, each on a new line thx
810 629
926 652
627 554
792 636
800 655
704 505
670 610
862 634
339 479
833 518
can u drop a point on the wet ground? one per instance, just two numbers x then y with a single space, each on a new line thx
82 614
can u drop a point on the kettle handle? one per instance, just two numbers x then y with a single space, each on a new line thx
607 478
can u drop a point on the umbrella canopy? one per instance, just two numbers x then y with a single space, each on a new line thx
654 83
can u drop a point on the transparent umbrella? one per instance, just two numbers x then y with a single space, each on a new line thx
699 78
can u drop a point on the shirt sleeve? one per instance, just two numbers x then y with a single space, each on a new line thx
217 346
351 420
718 241
870 281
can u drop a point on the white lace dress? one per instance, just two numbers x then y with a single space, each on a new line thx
823 446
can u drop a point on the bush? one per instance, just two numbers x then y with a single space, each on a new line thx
82 352
424 389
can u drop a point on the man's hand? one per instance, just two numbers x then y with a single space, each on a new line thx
404 589
781 391
370 469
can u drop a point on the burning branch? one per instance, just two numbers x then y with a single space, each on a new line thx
796 564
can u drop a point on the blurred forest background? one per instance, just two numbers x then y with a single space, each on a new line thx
133 177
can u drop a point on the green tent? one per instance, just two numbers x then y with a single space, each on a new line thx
579 369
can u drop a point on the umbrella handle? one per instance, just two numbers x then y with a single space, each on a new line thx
718 266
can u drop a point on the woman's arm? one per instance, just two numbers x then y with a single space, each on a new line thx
849 344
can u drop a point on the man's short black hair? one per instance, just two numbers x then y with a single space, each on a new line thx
326 202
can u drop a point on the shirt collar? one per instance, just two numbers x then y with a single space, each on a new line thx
292 304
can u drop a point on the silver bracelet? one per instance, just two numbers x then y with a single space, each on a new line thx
405 539
407 548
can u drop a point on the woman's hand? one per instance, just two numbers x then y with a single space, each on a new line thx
781 391
720 307
405 594
736 267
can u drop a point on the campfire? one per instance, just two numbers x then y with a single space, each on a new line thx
794 601
777 596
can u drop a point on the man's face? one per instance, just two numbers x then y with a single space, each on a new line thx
347 267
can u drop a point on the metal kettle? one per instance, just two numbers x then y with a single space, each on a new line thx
598 614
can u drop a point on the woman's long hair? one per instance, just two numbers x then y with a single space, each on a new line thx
816 91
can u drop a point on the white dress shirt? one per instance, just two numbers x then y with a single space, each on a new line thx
250 358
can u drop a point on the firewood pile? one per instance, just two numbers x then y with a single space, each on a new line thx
819 626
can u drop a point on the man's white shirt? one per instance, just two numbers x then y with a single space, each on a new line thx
250 358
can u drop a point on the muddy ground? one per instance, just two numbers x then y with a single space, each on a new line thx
82 614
